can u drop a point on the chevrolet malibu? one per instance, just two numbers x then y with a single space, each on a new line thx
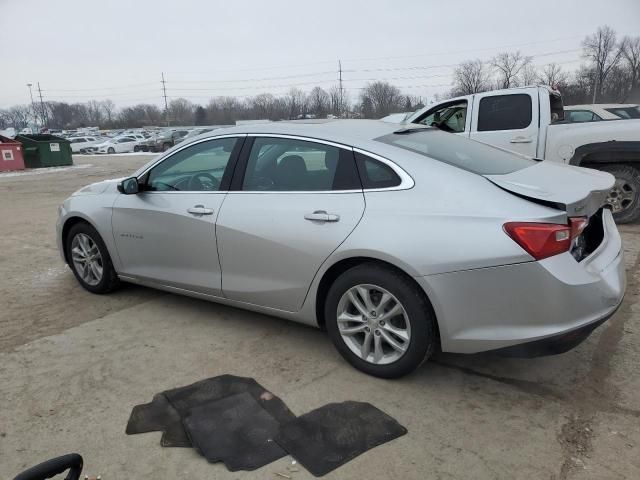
399 241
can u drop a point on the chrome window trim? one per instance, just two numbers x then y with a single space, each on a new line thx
406 181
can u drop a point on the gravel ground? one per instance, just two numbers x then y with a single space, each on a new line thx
72 365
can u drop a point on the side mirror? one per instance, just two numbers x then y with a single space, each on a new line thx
129 186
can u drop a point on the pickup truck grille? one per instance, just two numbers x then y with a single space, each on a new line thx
590 239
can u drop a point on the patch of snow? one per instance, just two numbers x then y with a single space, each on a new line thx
41 171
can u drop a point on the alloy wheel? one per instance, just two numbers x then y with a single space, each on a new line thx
621 195
87 259
373 324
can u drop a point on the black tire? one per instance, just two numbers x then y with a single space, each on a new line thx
631 178
136 148
111 150
423 339
166 146
109 280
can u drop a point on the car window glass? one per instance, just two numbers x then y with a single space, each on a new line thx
581 116
375 174
282 164
460 152
504 112
199 167
451 117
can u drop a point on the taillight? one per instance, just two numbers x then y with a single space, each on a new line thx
543 240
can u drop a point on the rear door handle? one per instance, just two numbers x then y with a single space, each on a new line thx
200 210
521 140
322 216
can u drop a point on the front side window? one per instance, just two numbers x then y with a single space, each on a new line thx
504 112
197 168
283 164
451 117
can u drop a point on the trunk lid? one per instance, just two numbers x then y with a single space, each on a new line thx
581 192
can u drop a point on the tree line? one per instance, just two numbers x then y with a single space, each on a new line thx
610 72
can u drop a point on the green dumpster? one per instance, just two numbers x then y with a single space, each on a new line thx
45 151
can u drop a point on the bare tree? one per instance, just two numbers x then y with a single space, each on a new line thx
181 111
603 51
95 112
509 66
529 75
553 76
296 101
630 48
339 101
319 102
383 99
470 77
16 117
109 110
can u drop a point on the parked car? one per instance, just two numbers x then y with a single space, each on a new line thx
597 112
82 144
165 139
349 225
527 120
194 133
116 145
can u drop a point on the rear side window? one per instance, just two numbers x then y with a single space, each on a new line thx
504 112
375 174
458 151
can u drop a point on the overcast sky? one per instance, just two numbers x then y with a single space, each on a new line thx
117 49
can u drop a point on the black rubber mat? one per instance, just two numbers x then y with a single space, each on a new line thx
235 430
159 416
328 437
167 410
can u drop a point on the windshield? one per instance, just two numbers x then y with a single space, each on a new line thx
458 151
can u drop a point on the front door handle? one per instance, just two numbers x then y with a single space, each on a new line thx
521 140
200 210
322 216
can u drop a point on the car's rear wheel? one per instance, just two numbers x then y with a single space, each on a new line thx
166 146
89 259
136 148
380 321
111 150
624 198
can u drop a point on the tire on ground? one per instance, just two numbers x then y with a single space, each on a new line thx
632 176
424 338
109 280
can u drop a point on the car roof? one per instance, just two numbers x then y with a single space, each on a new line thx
356 133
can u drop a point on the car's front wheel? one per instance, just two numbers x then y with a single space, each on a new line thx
111 150
89 259
380 321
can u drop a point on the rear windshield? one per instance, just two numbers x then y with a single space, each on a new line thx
458 151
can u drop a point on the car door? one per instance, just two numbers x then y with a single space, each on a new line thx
293 201
166 233
507 120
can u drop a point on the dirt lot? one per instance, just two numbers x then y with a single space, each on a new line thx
72 365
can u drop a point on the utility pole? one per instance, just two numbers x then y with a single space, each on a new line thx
340 86
595 89
44 115
164 93
33 107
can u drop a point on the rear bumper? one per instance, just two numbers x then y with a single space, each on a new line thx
554 345
554 301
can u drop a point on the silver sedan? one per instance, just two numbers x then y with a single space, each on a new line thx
397 240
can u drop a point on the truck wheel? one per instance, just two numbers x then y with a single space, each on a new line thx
624 198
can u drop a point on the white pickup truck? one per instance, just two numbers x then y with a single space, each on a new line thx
529 120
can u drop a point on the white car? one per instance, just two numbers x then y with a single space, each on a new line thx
80 144
118 145
600 111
